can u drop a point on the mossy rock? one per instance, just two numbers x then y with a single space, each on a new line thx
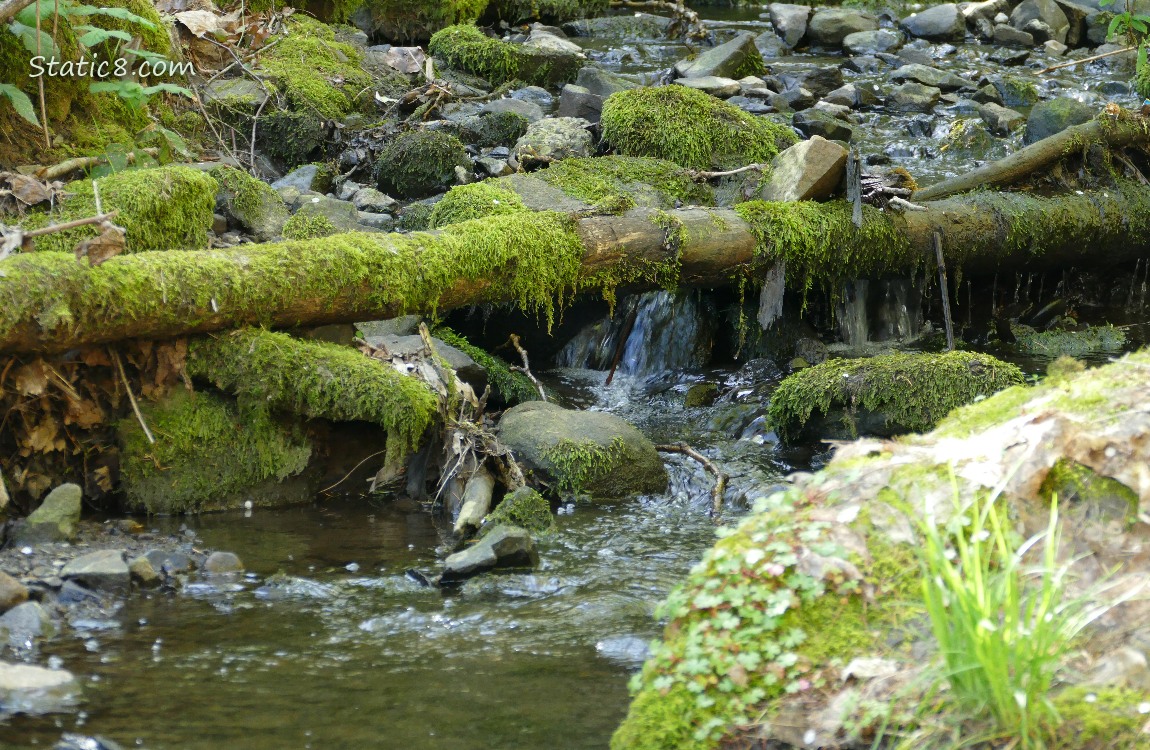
303 226
489 129
548 11
419 163
652 183
1089 494
524 508
1088 340
512 387
690 128
583 452
885 395
306 62
208 455
476 201
416 20
251 202
701 394
165 208
467 48
293 138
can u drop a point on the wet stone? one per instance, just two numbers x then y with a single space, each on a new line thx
914 97
55 520
223 562
812 122
12 592
170 562
104 570
25 623
1000 120
143 572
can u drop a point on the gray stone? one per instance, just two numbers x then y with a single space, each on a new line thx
913 97
377 222
1098 28
853 95
829 26
809 170
1058 49
1046 12
770 46
870 42
577 101
12 592
729 60
929 76
261 213
170 562
300 178
56 518
1000 120
988 93
234 95
553 140
1054 116
1016 91
3 492
143 572
942 23
29 689
223 562
545 42
25 623
410 347
502 547
535 95
912 55
494 167
373 201
794 98
623 28
820 80
1008 36
812 122
532 111
602 83
790 21
539 432
347 190
103 570
862 64
722 88
342 214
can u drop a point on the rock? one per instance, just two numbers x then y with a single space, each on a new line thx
534 94
223 562
1016 91
734 59
818 80
942 23
853 95
583 452
495 167
553 140
862 64
702 394
602 83
29 689
545 42
1124 667
1054 116
502 547
790 22
640 26
419 163
234 96
411 346
578 101
723 88
1097 28
170 562
532 111
770 46
988 93
26 622
795 98
143 572
810 170
870 42
829 26
251 203
1054 23
814 122
55 520
103 570
300 178
912 55
3 493
1055 48
343 215
913 97
1008 36
524 508
929 76
12 592
1000 120
372 201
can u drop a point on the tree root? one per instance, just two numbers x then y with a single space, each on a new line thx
709 465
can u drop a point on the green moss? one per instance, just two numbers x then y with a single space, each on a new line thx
305 64
1089 340
1018 91
415 218
512 387
206 452
475 201
912 391
468 49
303 226
292 138
648 182
316 379
419 163
166 208
254 203
690 128
524 508
1073 482
1099 719
154 39
579 464
660 720
417 20
701 394
550 11
987 413
493 129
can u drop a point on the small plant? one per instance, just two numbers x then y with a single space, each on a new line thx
1134 25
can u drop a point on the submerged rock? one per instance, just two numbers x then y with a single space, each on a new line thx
12 592
56 518
501 547
28 689
223 562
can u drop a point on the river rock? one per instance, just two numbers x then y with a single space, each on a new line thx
578 101
410 346
1054 24
103 570
819 80
26 622
56 518
870 42
790 21
723 88
829 26
170 562
853 95
342 214
553 140
143 572
1000 120
1008 36
25 688
601 82
942 23
734 59
300 178
914 97
223 562
928 76
12 592
502 547
373 201
534 94
532 111
809 170
816 122
587 452
1054 116
770 46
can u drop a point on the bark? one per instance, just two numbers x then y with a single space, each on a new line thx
49 302
9 8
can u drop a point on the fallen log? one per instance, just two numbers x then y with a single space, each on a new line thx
50 302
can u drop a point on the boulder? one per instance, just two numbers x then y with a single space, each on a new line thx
870 42
502 547
103 570
578 101
790 22
553 140
1000 120
1008 36
532 111
419 163
723 88
853 95
583 452
942 23
601 82
341 216
251 203
819 80
1054 116
300 178
372 201
143 572
29 689
828 27
524 508
1054 23
24 623
12 592
810 170
734 59
1016 91
170 562
928 76
816 122
223 562
913 97
55 520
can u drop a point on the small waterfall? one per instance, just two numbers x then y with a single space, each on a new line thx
875 311
852 313
899 316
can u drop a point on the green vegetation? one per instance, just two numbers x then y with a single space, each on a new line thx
307 60
419 163
912 391
468 49
475 201
643 181
254 203
1099 719
1074 483
550 11
303 226
493 128
167 208
206 452
690 128
577 465
512 387
524 508
701 394
1090 339
293 138
417 20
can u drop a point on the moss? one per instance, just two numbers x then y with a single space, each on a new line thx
254 203
316 379
690 128
468 49
1099 719
701 394
1073 482
912 391
155 39
524 508
166 208
303 226
415 218
987 413
493 129
550 11
417 20
292 138
206 452
475 201
1017 91
576 465
305 64
419 163
512 387
660 720
648 182
1089 340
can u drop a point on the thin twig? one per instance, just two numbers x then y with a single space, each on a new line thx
1072 63
526 368
70 225
345 476
79 163
40 81
252 145
709 465
131 398
701 176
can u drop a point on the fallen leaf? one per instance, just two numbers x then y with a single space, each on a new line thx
200 22
32 378
43 437
107 245
95 357
28 190
83 413
102 478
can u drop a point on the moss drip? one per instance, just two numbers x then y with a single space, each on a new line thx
512 387
578 464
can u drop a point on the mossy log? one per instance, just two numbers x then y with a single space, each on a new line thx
50 302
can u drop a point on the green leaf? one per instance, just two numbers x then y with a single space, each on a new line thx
1115 24
28 36
1138 25
94 35
47 10
169 88
20 102
122 14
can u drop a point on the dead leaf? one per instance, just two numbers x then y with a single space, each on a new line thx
83 413
44 437
407 60
102 478
107 245
28 190
96 357
32 378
